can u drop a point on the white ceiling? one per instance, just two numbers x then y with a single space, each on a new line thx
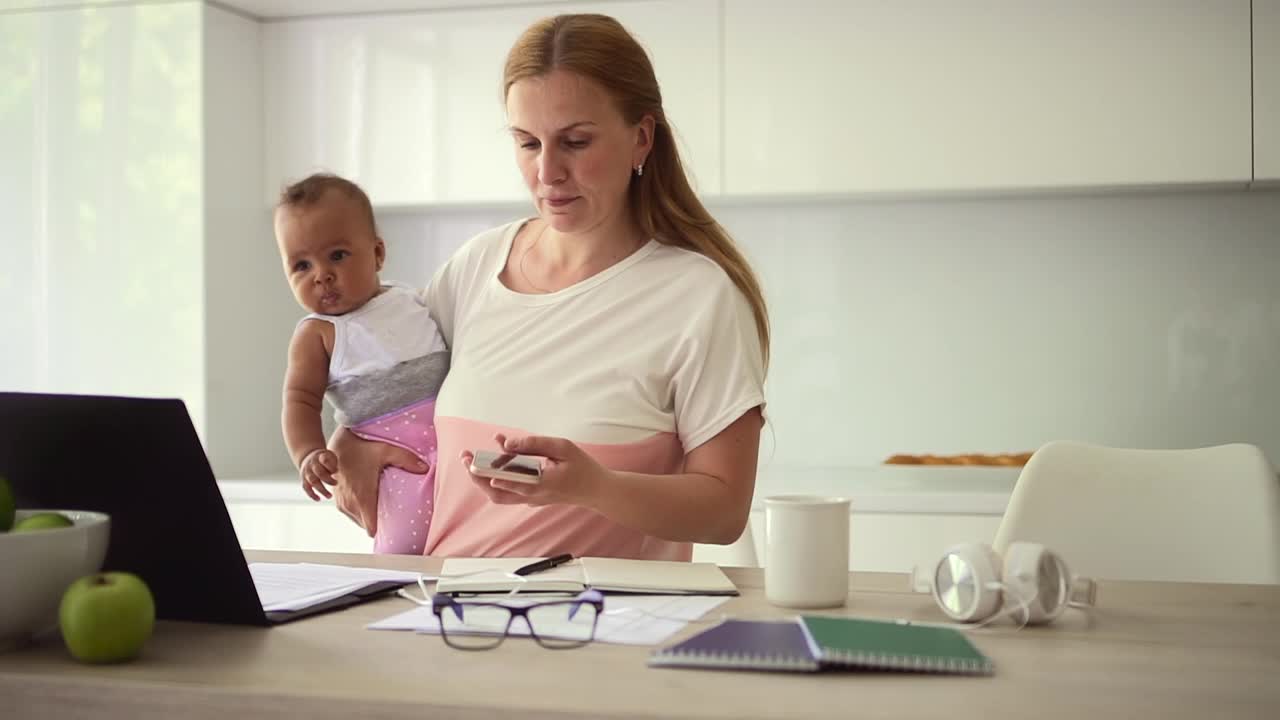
276 9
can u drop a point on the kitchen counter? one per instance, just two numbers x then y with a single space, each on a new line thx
903 516
923 489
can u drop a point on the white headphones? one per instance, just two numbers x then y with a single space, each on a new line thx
1033 584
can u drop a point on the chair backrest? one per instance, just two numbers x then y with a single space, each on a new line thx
1200 515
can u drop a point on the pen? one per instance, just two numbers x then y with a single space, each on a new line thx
544 564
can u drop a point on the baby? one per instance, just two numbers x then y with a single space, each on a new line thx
371 349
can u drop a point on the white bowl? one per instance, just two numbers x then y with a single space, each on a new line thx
37 566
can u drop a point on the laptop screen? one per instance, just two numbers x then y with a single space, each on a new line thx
140 461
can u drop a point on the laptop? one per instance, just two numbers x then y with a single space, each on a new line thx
140 461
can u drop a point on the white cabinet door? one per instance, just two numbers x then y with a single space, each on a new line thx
410 105
865 96
300 526
898 543
742 553
878 542
1266 89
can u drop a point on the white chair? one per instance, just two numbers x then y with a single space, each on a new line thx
1201 515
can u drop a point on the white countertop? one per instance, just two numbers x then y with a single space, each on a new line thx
928 489
924 489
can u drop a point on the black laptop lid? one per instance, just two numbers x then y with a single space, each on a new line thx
141 462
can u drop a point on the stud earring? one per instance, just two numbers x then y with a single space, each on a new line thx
640 170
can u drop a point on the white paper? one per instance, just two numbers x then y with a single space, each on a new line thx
292 586
627 619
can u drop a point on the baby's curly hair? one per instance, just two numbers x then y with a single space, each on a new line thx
308 191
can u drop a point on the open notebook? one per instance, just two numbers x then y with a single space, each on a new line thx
811 643
614 575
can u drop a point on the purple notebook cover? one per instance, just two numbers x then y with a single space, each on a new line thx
743 644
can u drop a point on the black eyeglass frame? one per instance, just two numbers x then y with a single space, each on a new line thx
440 604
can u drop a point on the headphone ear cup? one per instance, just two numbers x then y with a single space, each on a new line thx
966 582
1036 581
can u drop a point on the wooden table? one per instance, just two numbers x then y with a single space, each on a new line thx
1154 650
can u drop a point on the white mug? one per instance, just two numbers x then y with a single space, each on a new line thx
806 551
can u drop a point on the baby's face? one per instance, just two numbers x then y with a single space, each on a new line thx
330 253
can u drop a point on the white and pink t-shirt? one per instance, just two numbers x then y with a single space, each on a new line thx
638 365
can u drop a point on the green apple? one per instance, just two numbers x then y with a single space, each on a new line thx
107 617
43 521
6 505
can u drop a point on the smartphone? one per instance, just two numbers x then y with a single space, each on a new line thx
506 466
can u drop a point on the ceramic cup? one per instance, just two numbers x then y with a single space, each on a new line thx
806 551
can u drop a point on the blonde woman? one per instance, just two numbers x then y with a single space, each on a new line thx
619 334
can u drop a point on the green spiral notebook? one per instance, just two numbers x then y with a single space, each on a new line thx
880 645
811 643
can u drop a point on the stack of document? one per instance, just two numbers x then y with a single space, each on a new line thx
648 600
294 586
627 619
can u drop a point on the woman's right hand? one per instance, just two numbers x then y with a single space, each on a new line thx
360 463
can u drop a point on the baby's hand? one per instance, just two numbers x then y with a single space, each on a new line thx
317 471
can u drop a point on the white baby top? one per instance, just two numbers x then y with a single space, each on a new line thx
387 354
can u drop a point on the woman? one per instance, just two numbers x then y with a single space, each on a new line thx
619 334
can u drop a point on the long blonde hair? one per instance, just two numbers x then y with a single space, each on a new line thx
663 203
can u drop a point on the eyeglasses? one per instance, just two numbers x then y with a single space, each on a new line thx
555 624
565 622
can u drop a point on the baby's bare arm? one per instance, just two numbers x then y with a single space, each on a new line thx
304 384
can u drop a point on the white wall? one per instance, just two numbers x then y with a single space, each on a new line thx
249 311
923 325
995 324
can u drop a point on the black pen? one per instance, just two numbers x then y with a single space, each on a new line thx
541 565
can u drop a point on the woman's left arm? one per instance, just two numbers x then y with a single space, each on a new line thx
706 503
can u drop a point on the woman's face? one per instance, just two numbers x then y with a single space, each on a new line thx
575 150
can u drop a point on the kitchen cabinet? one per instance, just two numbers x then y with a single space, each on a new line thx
299 524
296 525
274 515
926 95
1266 90
410 105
